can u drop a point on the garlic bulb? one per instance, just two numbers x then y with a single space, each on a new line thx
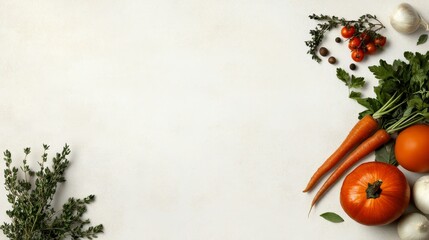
405 19
413 226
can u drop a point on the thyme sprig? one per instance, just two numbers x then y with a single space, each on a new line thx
366 23
31 194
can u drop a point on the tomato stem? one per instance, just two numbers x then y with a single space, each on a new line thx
374 190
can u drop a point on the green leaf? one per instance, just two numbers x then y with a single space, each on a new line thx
422 39
332 217
386 154
369 103
383 71
343 76
357 82
352 82
355 95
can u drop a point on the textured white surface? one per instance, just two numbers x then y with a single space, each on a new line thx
187 119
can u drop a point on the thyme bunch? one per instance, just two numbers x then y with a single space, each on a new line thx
366 23
31 194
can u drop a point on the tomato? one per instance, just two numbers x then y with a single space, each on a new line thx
370 48
380 41
365 37
375 193
412 148
358 55
354 43
348 31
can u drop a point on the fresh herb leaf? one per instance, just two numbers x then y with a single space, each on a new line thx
422 39
383 71
351 81
332 217
386 153
357 82
355 95
343 76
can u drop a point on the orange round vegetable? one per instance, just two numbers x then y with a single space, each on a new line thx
375 193
412 148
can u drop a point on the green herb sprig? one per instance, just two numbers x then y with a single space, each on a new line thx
31 194
368 23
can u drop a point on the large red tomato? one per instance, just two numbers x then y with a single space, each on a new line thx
412 148
375 193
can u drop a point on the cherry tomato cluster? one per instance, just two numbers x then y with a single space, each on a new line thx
362 43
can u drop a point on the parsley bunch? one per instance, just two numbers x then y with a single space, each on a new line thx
402 94
31 194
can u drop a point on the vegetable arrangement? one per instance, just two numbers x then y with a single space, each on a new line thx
402 99
395 126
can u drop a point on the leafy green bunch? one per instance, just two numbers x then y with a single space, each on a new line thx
31 194
402 94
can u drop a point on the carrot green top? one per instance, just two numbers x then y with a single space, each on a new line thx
402 94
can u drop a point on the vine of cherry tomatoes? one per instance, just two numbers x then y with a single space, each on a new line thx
362 43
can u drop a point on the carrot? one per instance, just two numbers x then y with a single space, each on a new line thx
361 131
377 140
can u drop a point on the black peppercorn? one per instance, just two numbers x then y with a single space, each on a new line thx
352 66
338 39
323 51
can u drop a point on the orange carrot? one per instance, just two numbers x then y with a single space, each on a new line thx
361 131
377 140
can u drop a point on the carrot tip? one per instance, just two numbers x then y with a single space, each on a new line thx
309 211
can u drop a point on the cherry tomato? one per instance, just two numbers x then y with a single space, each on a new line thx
348 31
375 193
412 148
380 41
370 48
358 55
354 43
365 37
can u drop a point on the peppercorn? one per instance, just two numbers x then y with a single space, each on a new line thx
338 39
332 60
352 66
323 51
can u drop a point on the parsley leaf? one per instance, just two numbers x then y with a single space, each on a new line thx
350 81
383 71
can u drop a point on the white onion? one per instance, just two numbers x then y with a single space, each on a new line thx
405 19
413 226
421 194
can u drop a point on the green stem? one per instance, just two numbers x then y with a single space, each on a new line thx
407 121
389 106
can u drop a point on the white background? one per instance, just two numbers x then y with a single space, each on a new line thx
187 119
